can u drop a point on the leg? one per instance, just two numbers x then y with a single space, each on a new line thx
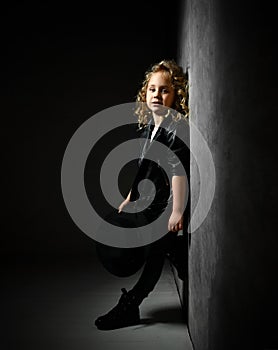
153 267
126 312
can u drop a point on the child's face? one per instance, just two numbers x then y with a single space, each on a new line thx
159 92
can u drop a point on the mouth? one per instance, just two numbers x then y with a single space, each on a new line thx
157 103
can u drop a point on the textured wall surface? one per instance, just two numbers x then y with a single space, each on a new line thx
231 57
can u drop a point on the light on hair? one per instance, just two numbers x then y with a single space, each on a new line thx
179 81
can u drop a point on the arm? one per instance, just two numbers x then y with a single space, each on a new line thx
179 162
124 203
175 222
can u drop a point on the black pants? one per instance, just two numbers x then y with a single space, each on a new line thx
152 256
155 258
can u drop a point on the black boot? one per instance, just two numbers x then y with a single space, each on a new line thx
124 314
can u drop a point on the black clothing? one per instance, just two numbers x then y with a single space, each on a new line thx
151 273
172 162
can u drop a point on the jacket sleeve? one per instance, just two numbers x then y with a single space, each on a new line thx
142 136
178 155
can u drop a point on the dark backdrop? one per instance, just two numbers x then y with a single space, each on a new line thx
62 64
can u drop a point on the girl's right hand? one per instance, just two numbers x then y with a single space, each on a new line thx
123 204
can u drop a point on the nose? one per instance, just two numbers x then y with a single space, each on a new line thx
157 94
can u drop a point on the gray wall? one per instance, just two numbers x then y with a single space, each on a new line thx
230 53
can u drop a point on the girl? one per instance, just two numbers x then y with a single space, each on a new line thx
164 89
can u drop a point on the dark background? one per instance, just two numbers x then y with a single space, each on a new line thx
63 64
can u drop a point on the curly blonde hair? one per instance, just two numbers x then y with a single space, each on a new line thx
179 81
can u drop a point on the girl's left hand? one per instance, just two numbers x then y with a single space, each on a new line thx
175 222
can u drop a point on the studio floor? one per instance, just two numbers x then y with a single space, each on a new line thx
52 304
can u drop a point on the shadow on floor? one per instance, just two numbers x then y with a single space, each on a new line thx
53 305
164 315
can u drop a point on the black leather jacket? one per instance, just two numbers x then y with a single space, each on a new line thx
171 163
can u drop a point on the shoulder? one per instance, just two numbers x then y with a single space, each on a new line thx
178 128
143 131
176 125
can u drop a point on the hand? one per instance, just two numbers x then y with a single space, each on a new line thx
123 204
175 222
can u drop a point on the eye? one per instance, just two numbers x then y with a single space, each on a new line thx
152 89
165 91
